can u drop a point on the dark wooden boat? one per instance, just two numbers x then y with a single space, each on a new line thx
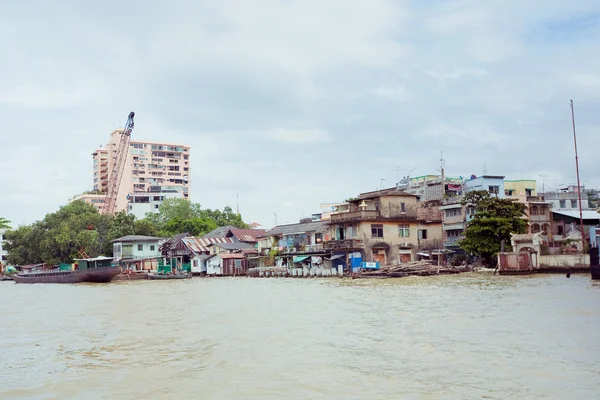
169 276
97 269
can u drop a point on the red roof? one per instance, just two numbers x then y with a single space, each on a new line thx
247 235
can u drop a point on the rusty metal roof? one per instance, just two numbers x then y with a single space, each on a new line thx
200 245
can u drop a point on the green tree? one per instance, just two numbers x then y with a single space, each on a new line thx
495 219
4 223
59 236
145 227
174 208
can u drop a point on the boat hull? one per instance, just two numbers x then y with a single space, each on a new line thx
132 277
168 276
98 275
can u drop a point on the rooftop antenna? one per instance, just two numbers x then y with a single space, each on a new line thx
578 184
484 169
397 176
543 182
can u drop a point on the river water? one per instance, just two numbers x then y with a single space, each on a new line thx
468 336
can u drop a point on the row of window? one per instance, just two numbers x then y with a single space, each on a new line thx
403 231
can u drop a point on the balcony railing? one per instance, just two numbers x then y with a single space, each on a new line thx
370 215
453 241
539 218
309 248
354 215
346 244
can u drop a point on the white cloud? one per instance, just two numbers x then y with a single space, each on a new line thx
394 93
326 97
298 136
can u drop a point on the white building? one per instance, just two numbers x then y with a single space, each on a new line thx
137 247
3 253
149 202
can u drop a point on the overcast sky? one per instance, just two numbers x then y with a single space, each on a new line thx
295 103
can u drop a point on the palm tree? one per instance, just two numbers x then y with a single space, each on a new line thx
4 223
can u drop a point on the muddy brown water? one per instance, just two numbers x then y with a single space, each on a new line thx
468 336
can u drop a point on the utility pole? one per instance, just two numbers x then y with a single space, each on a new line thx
443 177
578 184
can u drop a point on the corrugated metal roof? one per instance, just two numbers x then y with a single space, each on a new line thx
242 235
587 214
231 255
315 226
137 238
235 246
200 245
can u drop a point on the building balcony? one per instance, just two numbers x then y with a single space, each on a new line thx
373 215
346 244
309 248
540 218
452 241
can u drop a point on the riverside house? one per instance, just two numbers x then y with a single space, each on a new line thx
138 252
384 226
295 244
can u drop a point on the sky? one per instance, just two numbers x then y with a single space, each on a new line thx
290 104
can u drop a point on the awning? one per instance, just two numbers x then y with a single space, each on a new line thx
423 254
298 259
336 257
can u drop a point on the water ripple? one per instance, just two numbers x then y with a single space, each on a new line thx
448 337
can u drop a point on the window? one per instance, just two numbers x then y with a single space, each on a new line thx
494 189
573 203
560 230
377 230
422 233
238 263
453 212
563 204
140 247
151 248
509 192
528 192
534 210
351 231
195 263
403 207
403 230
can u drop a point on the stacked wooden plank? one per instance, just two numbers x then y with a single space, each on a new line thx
415 268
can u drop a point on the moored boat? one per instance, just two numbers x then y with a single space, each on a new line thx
169 276
129 275
99 269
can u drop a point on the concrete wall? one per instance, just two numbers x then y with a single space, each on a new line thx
562 262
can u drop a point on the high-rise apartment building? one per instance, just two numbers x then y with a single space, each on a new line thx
151 167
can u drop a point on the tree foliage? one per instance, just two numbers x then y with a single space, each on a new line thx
495 219
179 215
61 235
4 223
